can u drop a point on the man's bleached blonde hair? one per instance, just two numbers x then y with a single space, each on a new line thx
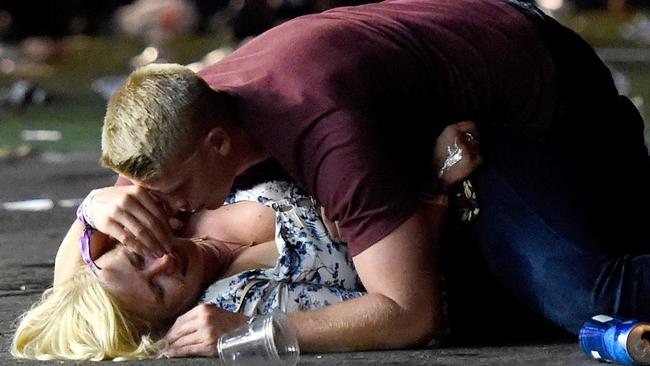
156 117
79 320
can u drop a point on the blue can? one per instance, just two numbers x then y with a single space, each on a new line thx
616 339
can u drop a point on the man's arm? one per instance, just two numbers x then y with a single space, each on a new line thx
400 273
402 308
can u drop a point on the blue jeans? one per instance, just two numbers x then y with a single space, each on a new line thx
563 229
549 242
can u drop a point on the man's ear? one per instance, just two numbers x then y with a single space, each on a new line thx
218 140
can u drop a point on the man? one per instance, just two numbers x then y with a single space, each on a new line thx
349 102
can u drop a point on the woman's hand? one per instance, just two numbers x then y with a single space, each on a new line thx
456 154
196 332
130 215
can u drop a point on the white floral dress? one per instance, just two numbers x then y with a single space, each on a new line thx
312 270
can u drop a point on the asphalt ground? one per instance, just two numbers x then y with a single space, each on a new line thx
29 239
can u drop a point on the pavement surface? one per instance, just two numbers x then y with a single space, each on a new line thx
54 185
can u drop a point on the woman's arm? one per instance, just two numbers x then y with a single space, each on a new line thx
68 257
246 223
261 255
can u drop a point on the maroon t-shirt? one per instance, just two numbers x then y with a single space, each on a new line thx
350 101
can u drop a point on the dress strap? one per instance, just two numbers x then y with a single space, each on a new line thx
287 204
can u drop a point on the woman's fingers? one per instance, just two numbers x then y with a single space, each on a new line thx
149 203
149 216
153 215
188 339
189 322
181 328
197 331
115 230
144 240
200 336
193 338
197 349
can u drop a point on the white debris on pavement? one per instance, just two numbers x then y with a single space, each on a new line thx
70 202
41 135
40 204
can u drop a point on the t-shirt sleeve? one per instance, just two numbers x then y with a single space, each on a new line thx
356 180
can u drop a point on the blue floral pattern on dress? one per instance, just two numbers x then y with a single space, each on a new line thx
312 270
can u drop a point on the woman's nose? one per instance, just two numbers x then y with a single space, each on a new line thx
161 265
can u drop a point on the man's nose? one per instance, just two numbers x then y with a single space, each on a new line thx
161 265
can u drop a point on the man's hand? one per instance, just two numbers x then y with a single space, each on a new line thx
130 215
456 153
196 332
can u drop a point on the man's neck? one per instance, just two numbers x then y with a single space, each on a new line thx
247 151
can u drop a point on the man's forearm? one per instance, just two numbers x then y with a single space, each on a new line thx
402 308
370 322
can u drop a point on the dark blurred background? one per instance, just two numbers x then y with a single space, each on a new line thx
59 18
61 59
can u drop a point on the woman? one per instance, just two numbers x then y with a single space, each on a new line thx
135 298
266 248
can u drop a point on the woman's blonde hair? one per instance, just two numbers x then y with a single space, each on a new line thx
79 320
157 115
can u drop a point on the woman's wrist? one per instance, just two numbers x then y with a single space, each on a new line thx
85 208
88 253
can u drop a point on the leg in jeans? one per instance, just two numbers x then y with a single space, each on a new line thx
559 226
539 237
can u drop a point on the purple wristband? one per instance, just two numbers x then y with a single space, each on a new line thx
84 242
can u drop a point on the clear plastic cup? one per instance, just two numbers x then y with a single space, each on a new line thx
266 340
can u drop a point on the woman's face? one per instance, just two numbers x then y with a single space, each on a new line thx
155 289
